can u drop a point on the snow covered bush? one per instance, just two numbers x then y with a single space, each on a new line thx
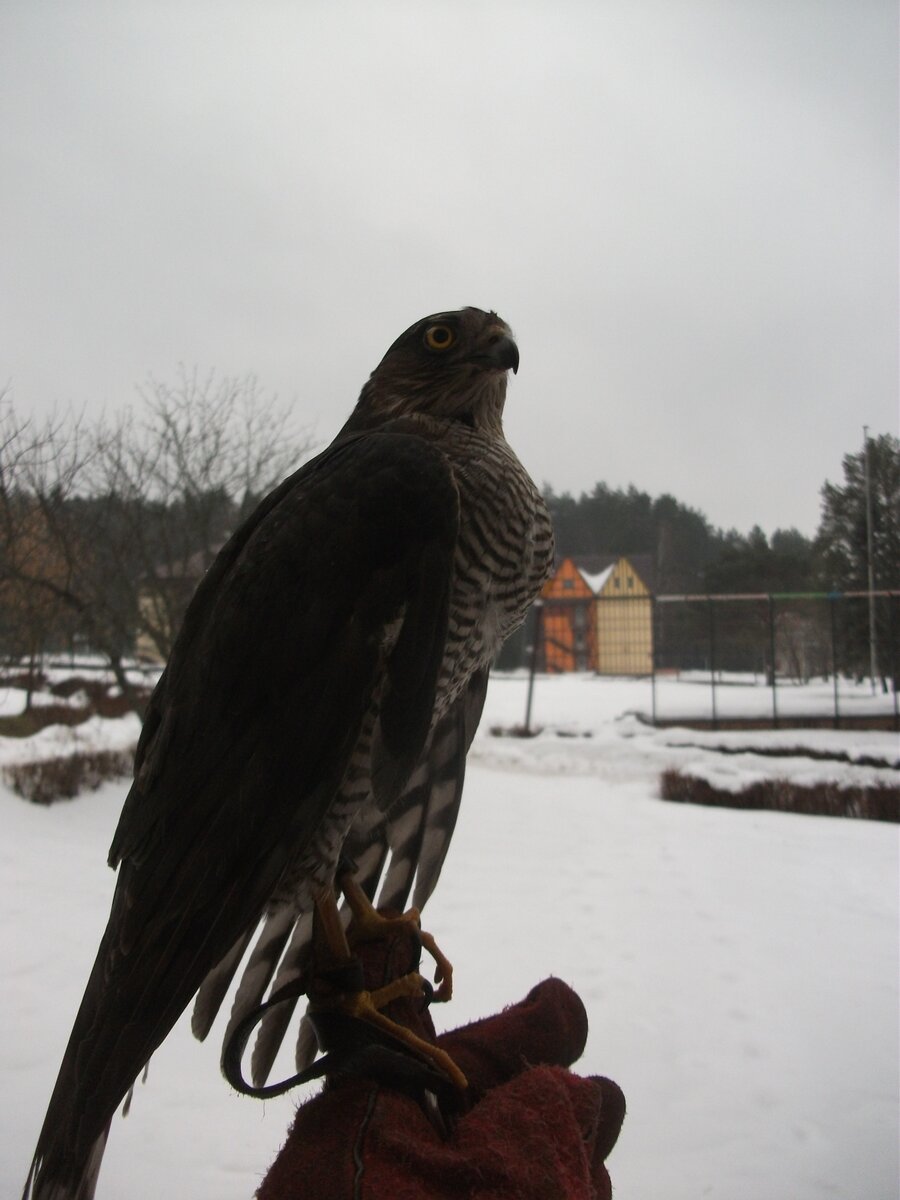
65 776
880 802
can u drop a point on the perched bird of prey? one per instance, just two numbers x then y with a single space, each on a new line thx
318 703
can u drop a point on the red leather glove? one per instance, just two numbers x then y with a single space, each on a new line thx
533 1129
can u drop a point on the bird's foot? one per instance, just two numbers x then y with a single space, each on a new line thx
337 989
369 925
366 1006
348 991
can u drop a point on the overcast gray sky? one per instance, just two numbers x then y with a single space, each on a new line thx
686 209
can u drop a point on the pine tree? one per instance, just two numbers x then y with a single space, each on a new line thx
843 544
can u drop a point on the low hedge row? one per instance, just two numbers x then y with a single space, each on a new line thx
63 777
878 803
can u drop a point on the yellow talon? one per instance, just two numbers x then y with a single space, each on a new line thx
370 925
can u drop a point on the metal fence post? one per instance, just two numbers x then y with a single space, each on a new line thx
772 661
832 601
892 651
712 659
538 609
653 616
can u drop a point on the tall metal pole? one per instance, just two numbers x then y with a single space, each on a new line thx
653 658
834 659
772 661
892 644
873 658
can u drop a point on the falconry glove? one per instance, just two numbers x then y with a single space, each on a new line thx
528 1128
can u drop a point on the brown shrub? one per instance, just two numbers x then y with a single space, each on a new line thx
103 700
114 704
63 777
74 683
33 681
880 802
31 721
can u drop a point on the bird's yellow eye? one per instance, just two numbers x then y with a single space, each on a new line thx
439 337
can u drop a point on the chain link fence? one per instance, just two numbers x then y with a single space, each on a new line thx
827 659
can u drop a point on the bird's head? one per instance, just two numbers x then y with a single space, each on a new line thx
452 365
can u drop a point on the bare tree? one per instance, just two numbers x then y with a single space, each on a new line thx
44 558
182 470
131 510
220 434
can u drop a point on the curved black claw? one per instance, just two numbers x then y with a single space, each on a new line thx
351 1046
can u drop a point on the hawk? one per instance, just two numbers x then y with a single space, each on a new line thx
318 705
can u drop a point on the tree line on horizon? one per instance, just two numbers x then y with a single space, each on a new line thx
691 556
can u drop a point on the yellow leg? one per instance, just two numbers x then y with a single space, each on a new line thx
333 945
369 925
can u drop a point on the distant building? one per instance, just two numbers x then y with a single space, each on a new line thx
568 625
598 616
162 601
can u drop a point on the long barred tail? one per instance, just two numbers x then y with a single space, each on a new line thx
406 847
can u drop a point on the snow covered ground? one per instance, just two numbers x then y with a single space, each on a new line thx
740 969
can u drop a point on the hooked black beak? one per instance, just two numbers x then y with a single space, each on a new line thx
500 353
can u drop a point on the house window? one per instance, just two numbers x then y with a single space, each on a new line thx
568 584
630 583
617 583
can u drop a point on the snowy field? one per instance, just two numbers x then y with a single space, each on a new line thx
740 969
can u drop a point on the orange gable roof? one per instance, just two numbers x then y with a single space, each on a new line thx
567 583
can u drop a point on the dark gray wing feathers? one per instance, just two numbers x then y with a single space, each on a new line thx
277 664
